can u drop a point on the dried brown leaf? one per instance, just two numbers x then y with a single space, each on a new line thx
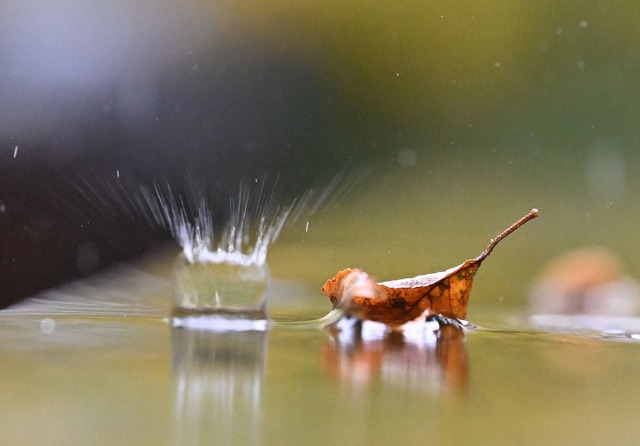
397 302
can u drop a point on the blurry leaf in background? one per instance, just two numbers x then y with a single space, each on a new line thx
588 281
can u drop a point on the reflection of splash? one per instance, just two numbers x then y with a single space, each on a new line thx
218 379
426 358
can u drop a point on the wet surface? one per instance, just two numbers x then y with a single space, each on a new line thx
118 373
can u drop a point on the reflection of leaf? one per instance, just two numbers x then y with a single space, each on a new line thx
397 302
433 361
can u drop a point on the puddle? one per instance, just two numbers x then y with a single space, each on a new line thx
98 362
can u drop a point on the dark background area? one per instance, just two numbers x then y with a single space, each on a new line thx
87 116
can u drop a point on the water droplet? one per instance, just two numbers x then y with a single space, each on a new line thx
47 325
407 158
584 24
15 152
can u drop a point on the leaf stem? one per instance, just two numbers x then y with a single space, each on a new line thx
530 216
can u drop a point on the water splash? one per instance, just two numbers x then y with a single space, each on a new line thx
254 217
221 277
210 224
255 221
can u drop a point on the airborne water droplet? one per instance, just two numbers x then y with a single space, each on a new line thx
47 325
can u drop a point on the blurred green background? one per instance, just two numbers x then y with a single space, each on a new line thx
489 109
455 119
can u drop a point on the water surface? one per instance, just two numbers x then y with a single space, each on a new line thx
80 370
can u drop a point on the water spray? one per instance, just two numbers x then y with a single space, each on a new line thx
220 279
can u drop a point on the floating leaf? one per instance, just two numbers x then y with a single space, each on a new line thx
397 302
